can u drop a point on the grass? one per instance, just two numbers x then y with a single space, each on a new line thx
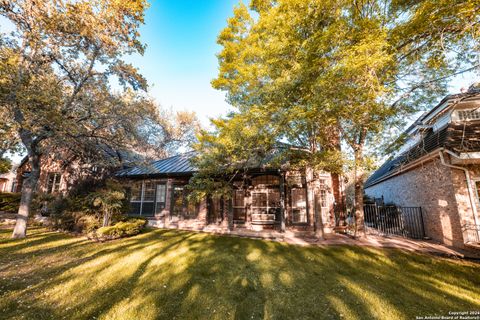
169 274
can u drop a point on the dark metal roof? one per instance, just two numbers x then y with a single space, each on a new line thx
431 141
175 165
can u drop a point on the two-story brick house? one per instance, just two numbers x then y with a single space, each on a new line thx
438 169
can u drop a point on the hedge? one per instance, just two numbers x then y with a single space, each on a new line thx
121 229
9 202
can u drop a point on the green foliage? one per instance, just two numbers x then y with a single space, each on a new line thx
78 222
316 74
129 227
109 200
5 165
9 202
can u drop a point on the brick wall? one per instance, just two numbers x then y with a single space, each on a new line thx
435 188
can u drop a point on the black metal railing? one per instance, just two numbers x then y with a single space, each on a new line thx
392 220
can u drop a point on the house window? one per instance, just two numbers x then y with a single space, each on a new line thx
323 198
238 202
136 192
266 180
177 200
471 114
322 183
299 205
266 206
215 209
191 207
53 182
142 198
181 205
161 195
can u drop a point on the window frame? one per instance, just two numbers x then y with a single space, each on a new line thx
142 201
157 184
292 207
243 207
54 187
184 212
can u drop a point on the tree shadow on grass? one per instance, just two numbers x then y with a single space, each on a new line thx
168 274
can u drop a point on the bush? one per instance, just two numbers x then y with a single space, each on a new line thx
9 202
129 227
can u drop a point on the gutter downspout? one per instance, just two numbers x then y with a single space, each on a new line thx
469 185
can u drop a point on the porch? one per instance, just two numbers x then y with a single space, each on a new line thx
271 200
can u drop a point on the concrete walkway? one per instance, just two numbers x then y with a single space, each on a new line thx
374 241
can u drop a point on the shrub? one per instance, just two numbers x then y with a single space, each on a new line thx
130 227
109 200
87 223
9 202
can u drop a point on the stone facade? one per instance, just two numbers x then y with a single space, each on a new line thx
440 191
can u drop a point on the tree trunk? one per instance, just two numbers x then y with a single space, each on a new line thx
319 232
282 202
359 176
106 219
28 190
339 208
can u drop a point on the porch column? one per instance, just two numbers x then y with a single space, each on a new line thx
282 202
230 214
168 202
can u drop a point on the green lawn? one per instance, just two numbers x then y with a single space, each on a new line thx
169 274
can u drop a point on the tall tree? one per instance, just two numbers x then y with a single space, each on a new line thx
56 69
316 71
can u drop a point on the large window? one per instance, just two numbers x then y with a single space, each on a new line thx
146 198
266 205
53 182
181 205
299 205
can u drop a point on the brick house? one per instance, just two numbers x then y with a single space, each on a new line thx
270 198
438 169
8 181
60 171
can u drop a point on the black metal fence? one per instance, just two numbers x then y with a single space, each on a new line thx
392 220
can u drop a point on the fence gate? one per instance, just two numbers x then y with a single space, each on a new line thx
392 220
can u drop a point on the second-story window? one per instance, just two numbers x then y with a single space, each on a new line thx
53 182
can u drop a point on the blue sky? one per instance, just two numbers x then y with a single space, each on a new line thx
180 60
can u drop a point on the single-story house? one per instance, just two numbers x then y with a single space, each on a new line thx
270 198
438 169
